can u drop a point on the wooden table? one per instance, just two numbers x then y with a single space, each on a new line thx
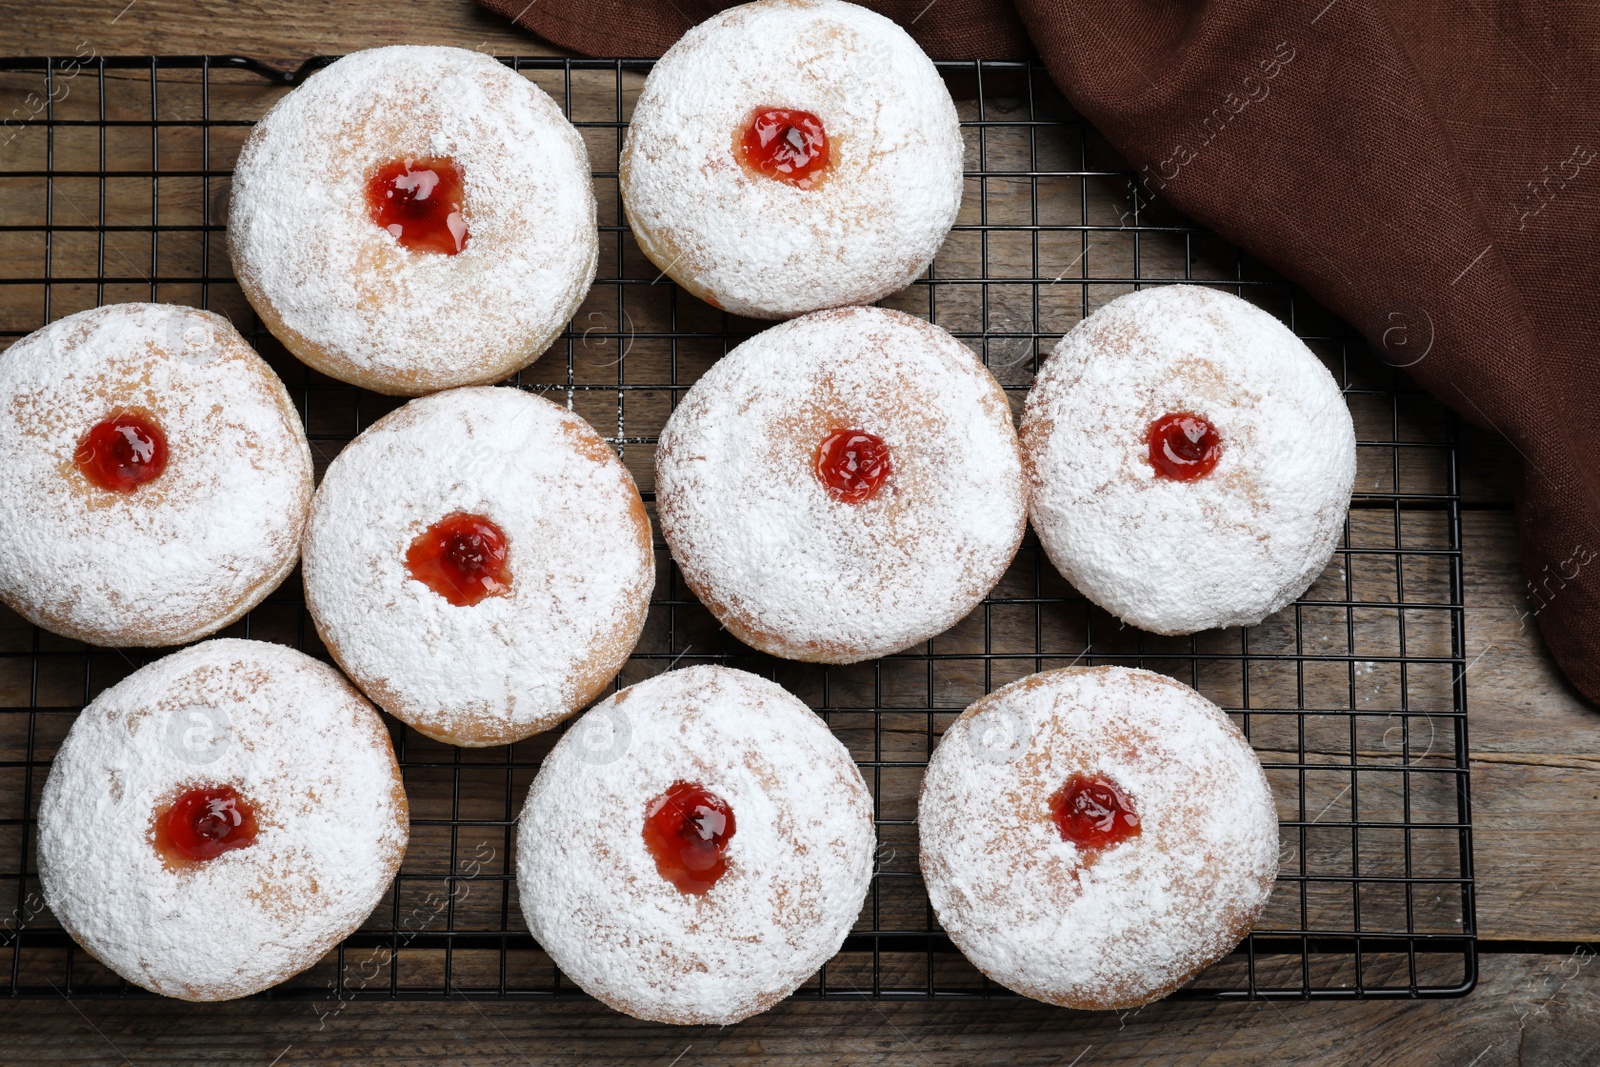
1535 778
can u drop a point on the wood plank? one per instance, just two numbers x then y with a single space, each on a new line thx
1534 847
282 32
1529 1009
1517 699
1535 747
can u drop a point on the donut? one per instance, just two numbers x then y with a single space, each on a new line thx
695 847
218 820
842 486
414 218
1190 459
157 476
1093 837
480 563
791 155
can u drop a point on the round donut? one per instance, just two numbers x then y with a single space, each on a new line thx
212 476
1055 906
785 563
459 661
869 188
1191 460
740 895
308 767
367 305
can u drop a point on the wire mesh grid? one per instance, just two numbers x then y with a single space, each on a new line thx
113 183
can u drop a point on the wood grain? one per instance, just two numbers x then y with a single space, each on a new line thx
1535 757
1530 1009
282 32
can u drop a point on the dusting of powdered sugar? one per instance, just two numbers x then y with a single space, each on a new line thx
298 743
180 556
1226 549
580 557
762 247
342 293
1151 911
799 861
797 573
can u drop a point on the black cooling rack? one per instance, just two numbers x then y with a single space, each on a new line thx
113 183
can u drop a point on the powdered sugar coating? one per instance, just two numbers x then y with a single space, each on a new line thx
799 862
1226 549
341 293
297 743
763 247
793 571
183 555
1148 913
580 557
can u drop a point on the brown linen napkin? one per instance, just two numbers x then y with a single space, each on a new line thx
946 29
1430 171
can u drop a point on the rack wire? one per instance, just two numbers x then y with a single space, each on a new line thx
113 182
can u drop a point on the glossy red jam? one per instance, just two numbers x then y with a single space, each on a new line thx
1093 813
204 823
853 465
123 452
1183 446
421 202
687 830
788 145
461 557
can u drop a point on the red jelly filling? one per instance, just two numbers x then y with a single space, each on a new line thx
420 201
1093 813
785 144
123 452
1183 446
853 465
461 557
687 830
204 823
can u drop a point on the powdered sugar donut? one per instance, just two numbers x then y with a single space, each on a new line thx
414 218
790 155
1191 461
695 847
219 819
480 563
842 486
1094 837
157 476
